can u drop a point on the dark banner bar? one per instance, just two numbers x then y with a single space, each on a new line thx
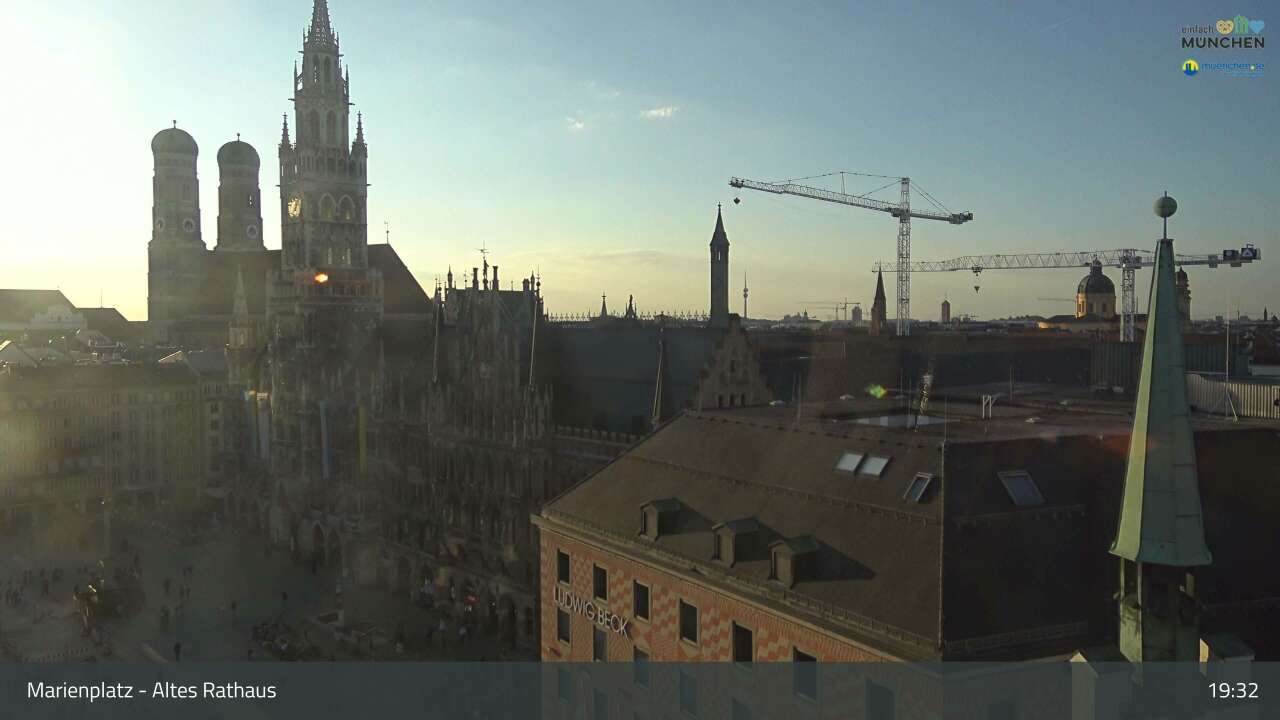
641 691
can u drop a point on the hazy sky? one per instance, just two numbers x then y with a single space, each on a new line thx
593 140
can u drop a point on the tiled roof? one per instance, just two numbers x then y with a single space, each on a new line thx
402 293
877 554
19 305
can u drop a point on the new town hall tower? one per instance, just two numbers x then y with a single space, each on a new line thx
325 302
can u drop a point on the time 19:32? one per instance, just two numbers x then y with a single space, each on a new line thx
1233 691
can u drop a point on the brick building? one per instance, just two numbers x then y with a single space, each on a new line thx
741 534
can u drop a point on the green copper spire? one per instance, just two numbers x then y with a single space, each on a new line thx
1160 519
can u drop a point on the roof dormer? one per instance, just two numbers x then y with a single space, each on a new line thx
793 560
658 517
734 540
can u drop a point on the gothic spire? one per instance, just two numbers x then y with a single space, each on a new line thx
879 287
359 128
284 131
320 28
1160 517
604 307
719 237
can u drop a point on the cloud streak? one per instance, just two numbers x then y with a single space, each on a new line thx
576 124
659 113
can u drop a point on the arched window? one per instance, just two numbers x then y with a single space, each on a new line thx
326 207
346 209
313 121
330 127
326 71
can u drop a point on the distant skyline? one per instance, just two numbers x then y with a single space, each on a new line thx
592 142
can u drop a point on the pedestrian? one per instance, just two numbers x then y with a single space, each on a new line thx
177 651
440 628
462 634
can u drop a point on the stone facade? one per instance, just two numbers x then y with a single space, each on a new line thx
71 436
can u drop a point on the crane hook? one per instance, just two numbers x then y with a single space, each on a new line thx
737 200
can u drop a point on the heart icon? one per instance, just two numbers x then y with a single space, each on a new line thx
1256 25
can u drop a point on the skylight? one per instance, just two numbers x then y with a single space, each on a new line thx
849 462
1021 488
916 489
874 465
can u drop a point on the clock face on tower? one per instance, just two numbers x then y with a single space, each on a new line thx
295 207
251 231
159 224
189 225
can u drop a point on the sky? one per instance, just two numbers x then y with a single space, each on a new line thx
592 141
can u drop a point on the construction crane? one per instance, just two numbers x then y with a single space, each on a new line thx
902 210
840 306
1129 260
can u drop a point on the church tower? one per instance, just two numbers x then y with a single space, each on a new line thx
322 174
879 307
1160 537
239 199
719 274
175 253
324 307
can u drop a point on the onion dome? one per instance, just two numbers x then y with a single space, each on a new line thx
1095 281
174 140
238 152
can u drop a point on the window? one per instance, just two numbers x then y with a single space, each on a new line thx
916 489
562 566
599 645
715 548
688 622
688 694
849 462
873 465
640 667
640 600
879 701
804 679
1021 488
743 644
600 582
562 685
644 522
562 626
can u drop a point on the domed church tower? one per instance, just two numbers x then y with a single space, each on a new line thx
176 251
239 199
1096 294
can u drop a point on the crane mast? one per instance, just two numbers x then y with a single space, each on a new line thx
902 210
1129 260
